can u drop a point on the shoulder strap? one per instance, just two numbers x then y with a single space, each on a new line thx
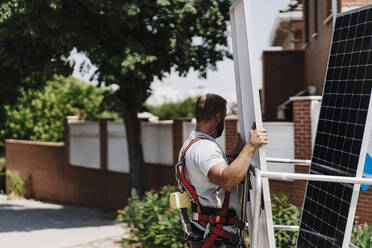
189 188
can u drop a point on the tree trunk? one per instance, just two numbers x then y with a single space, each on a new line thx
138 179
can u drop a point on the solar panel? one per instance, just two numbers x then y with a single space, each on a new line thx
329 208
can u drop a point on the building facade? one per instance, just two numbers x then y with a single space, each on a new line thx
301 72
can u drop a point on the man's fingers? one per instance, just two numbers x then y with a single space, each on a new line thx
263 135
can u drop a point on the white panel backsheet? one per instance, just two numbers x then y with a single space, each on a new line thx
249 107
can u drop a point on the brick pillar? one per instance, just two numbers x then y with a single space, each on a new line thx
231 129
177 136
302 141
103 142
352 4
66 136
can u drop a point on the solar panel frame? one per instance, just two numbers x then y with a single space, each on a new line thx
317 189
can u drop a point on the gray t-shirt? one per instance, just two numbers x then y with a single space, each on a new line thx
199 159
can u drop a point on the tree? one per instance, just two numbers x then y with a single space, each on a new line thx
130 42
29 54
172 110
38 114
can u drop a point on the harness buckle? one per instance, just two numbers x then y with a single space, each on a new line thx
195 216
207 228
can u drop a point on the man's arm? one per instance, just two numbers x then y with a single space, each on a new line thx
230 176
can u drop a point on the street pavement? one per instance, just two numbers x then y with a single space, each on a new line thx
29 223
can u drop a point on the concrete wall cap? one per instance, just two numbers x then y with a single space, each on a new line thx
305 98
183 119
157 123
277 123
39 143
232 117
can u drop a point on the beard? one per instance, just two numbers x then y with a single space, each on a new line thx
220 126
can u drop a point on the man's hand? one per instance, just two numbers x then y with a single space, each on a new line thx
257 138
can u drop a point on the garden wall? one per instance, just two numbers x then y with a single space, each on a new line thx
54 178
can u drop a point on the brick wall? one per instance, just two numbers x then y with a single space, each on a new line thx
53 179
355 3
177 132
231 130
302 127
303 142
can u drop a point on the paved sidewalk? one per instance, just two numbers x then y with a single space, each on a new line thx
28 223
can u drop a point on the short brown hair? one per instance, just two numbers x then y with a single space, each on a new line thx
207 106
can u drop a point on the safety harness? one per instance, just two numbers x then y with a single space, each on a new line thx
213 224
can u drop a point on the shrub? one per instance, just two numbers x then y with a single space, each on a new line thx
16 184
285 213
152 223
362 236
168 111
38 114
2 162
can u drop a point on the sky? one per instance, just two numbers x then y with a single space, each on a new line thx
222 81
174 88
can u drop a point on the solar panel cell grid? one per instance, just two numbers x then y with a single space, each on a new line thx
340 131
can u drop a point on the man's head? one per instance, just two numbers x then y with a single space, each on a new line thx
210 113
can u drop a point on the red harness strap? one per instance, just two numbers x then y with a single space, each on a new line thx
218 219
216 231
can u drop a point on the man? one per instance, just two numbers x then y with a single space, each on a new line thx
207 170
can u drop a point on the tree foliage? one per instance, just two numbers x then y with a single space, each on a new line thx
169 111
30 49
39 114
130 42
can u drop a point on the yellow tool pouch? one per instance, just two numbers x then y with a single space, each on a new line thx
180 200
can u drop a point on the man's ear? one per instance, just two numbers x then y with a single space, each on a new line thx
218 117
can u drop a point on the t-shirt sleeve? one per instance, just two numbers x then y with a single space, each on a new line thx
206 155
